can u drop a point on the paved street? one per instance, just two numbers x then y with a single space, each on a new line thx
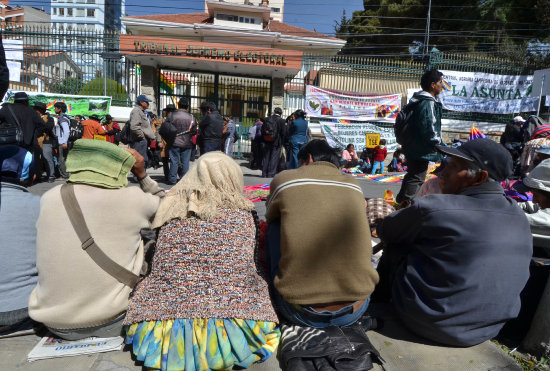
370 188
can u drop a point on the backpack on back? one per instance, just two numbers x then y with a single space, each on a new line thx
124 135
76 130
402 124
11 132
270 131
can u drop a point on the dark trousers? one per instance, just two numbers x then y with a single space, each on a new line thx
141 148
413 180
210 146
257 155
272 155
391 260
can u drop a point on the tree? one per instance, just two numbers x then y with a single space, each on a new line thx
105 87
70 85
493 26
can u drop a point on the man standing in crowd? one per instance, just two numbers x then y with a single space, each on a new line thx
92 127
46 141
423 134
18 218
229 129
454 264
306 268
31 124
274 133
62 132
255 136
181 147
140 127
210 128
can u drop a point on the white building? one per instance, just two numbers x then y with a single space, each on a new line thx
276 7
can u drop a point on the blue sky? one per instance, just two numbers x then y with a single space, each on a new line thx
310 14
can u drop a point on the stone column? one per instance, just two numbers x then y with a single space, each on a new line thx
149 86
278 97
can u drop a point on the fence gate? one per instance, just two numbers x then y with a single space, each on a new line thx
245 99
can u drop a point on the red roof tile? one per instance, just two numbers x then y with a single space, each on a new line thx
185 18
191 18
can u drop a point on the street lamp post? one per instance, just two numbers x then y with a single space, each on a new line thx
427 33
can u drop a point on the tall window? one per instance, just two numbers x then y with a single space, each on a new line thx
90 13
61 11
69 12
54 11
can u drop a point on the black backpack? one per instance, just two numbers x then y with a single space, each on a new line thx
76 130
11 132
124 135
402 125
270 130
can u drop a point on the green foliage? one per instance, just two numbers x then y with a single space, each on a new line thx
489 26
105 87
70 85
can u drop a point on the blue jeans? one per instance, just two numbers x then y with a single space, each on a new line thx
178 155
304 315
296 146
375 167
141 148
211 146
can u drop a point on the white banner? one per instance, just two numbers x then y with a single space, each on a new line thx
340 133
13 49
351 106
15 70
487 93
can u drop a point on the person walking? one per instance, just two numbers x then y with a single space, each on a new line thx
180 149
298 136
423 135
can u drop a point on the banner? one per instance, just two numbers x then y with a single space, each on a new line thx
340 133
76 104
487 93
351 106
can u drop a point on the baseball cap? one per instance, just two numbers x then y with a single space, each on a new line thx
484 153
143 98
519 119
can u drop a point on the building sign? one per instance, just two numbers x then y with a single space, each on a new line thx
138 45
487 93
351 106
340 133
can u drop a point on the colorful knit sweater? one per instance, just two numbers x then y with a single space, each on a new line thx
204 270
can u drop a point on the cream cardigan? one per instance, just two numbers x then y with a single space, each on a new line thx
72 290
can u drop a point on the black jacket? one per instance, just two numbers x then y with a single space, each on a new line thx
211 128
30 121
467 261
4 72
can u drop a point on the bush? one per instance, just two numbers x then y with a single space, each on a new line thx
113 89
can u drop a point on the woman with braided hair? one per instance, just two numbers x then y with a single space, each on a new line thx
205 304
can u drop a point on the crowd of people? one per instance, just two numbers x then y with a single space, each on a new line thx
212 287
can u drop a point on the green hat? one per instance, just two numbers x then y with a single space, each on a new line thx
99 163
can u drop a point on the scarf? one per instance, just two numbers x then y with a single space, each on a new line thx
99 163
215 181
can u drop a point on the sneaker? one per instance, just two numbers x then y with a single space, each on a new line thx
51 180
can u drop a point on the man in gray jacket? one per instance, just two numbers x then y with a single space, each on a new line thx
140 127
182 145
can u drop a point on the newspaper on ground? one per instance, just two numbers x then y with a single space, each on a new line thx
54 348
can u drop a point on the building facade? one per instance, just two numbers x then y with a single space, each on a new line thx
15 17
236 54
89 15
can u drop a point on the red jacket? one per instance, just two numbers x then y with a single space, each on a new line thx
380 153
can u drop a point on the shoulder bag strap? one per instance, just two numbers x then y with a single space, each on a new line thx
88 244
10 108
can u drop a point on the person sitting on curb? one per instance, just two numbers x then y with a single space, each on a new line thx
18 248
452 271
77 294
317 224
204 286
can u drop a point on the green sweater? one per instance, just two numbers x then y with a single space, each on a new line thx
325 237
